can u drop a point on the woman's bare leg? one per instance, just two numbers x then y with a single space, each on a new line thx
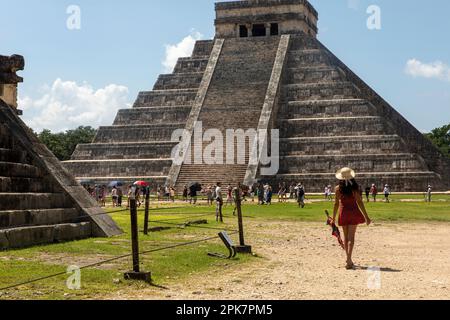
351 243
346 231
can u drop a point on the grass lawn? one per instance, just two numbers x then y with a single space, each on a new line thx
17 266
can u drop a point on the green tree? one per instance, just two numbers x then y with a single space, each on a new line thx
441 138
63 144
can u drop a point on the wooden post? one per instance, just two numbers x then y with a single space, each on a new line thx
242 248
134 235
136 274
147 210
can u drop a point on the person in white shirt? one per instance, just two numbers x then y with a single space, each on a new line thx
219 202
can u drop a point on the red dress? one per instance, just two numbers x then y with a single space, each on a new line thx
349 212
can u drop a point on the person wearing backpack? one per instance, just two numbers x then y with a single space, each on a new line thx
301 195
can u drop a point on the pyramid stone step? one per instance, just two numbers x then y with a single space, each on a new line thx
126 180
19 170
359 162
314 74
322 91
5 137
112 168
203 48
158 115
165 98
302 42
341 145
331 108
189 65
178 81
30 201
9 155
27 185
39 235
20 218
328 127
137 133
108 151
302 58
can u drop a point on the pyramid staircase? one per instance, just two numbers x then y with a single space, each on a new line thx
233 101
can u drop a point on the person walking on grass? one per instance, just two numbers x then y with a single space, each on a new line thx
387 193
229 195
219 202
429 193
260 193
374 192
301 195
185 194
172 194
115 197
350 207
368 194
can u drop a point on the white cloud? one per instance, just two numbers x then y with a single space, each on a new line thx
67 105
436 70
182 49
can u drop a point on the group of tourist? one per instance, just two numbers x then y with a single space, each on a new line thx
263 192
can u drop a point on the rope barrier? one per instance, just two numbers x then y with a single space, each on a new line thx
111 260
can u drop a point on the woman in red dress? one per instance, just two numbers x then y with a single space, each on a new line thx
352 212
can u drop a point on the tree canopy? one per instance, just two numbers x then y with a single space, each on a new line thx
441 138
63 144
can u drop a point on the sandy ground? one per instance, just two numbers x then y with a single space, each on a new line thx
301 261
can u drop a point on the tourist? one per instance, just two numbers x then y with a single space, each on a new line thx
97 194
167 193
185 193
193 189
280 193
327 193
429 193
350 207
229 195
387 193
219 202
269 195
266 193
374 192
138 197
330 193
301 193
114 197
209 195
283 193
245 192
292 191
260 192
129 194
103 196
119 196
172 194
368 193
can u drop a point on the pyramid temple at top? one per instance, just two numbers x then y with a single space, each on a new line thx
264 70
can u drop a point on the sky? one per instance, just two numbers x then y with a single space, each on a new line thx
86 59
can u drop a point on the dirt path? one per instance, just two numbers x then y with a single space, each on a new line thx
300 261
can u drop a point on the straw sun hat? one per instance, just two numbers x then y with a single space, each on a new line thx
346 174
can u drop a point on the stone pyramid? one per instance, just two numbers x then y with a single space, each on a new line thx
40 202
264 70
